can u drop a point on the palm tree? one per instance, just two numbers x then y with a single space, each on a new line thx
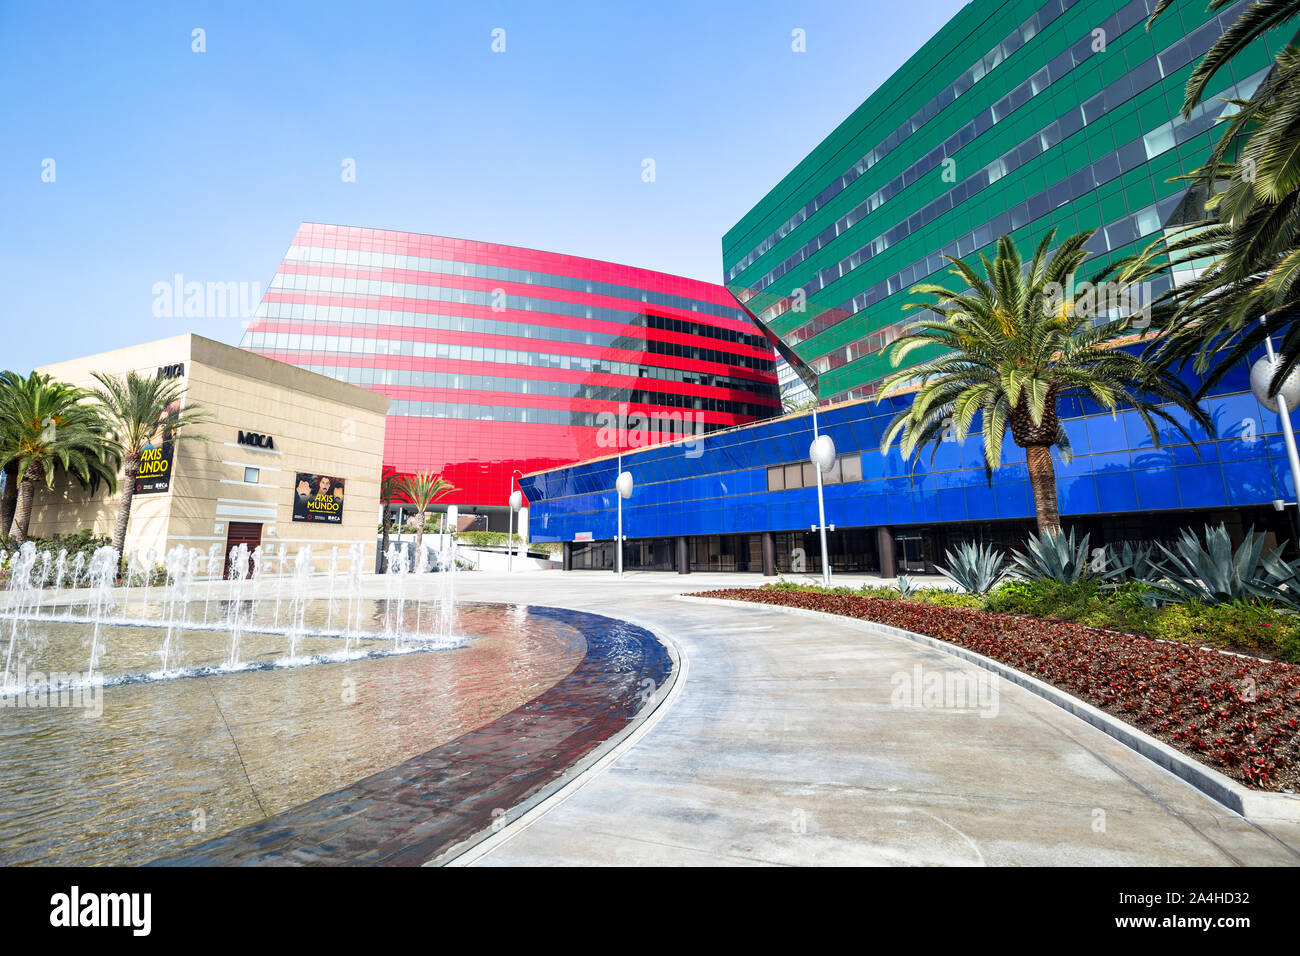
1246 247
141 410
45 426
10 500
1255 21
389 488
423 490
789 405
1009 350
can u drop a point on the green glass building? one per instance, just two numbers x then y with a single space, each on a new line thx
1018 117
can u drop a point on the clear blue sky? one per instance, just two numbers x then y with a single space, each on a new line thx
169 161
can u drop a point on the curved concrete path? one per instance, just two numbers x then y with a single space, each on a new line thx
781 746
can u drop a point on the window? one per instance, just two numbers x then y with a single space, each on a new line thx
250 475
776 478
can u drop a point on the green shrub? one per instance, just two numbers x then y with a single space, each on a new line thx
1250 625
945 597
78 542
1041 597
485 539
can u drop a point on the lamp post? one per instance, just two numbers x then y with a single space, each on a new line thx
623 486
451 527
1287 398
516 500
822 454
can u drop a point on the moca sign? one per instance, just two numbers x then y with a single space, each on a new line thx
255 440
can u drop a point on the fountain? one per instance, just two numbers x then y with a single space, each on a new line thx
332 573
174 596
214 573
20 587
357 555
239 560
103 572
122 601
299 598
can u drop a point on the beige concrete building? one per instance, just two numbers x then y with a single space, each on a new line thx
291 457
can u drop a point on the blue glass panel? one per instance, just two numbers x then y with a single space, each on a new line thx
1138 436
1113 462
878 510
1201 486
1155 489
1148 458
924 507
891 465
1115 491
1282 478
980 501
1077 495
952 504
1106 434
1069 407
1077 431
1013 499
1249 482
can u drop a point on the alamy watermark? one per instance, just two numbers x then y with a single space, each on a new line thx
29 689
956 690
179 299
1113 300
626 429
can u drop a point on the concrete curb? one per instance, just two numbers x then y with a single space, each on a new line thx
1252 804
523 816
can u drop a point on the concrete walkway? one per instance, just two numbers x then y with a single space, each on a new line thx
782 747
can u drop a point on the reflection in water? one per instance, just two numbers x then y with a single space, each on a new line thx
171 763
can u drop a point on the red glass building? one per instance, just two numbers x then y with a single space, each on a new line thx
498 358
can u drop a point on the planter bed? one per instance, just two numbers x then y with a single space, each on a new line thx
1239 715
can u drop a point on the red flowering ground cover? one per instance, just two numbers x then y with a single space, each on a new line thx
1239 715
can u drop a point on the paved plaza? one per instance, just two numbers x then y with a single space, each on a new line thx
781 747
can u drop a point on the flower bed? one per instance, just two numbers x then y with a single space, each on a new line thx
1239 715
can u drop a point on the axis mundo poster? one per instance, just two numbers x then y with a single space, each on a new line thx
318 498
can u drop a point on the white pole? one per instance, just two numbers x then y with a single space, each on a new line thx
618 544
1288 434
821 512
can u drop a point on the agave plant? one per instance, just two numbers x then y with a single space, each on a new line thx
1284 577
1132 562
906 586
975 568
1212 572
1055 556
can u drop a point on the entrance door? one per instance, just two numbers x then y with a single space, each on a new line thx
241 532
909 553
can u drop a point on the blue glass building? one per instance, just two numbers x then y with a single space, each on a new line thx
745 499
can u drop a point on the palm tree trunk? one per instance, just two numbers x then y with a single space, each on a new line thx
383 546
10 500
131 469
1042 479
23 508
419 542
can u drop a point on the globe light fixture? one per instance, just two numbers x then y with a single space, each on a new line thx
1286 399
822 454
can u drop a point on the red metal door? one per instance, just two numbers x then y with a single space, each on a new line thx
242 532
